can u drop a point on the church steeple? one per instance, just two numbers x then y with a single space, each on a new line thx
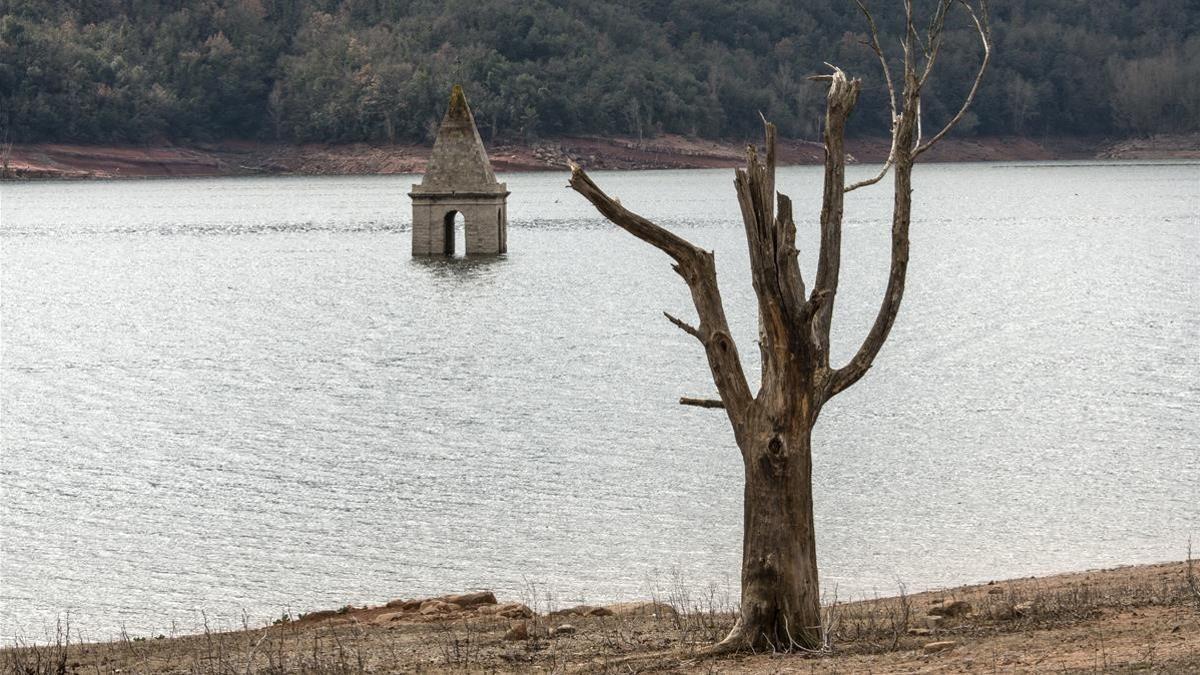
459 180
459 162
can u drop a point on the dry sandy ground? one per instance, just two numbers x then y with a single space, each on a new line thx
1130 619
232 158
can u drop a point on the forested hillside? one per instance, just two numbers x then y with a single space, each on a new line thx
370 70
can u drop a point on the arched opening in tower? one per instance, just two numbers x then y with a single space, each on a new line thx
454 239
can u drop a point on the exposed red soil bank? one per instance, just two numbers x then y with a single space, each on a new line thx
233 158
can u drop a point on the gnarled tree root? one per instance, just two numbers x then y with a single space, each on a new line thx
742 640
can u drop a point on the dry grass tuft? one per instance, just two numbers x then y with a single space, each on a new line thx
862 635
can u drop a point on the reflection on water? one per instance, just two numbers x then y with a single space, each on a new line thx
244 393
459 267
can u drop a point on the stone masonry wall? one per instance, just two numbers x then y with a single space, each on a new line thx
485 225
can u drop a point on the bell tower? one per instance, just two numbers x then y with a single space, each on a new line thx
459 180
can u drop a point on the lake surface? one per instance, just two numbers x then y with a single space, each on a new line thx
244 394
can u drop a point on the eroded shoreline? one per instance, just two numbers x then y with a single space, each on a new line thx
241 158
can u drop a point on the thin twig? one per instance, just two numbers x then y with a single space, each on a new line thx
936 28
684 326
254 650
887 76
985 33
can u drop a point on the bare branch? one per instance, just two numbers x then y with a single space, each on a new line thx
698 268
985 37
774 264
918 141
883 64
912 89
887 76
826 78
936 26
685 326
905 132
787 257
702 402
843 94
680 249
906 135
909 31
865 356
882 172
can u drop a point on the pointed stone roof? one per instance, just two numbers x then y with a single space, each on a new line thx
458 163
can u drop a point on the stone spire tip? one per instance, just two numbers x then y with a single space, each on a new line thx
458 103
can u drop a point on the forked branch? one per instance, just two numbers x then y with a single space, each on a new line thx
906 146
983 27
934 35
774 260
887 78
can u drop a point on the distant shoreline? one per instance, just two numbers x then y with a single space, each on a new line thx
50 161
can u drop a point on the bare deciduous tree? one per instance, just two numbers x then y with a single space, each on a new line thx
780 606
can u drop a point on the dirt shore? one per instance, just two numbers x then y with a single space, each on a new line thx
1142 618
236 158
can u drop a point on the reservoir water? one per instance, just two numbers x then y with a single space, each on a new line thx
243 395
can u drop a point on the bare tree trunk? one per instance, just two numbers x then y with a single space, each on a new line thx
780 600
780 607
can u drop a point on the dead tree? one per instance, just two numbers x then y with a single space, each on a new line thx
780 606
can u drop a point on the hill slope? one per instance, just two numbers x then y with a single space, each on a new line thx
368 70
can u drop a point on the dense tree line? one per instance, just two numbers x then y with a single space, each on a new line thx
378 70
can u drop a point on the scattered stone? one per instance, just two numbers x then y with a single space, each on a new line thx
643 608
952 608
511 610
405 605
565 629
435 606
995 591
1015 611
940 646
468 600
516 610
518 631
919 631
389 617
934 621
